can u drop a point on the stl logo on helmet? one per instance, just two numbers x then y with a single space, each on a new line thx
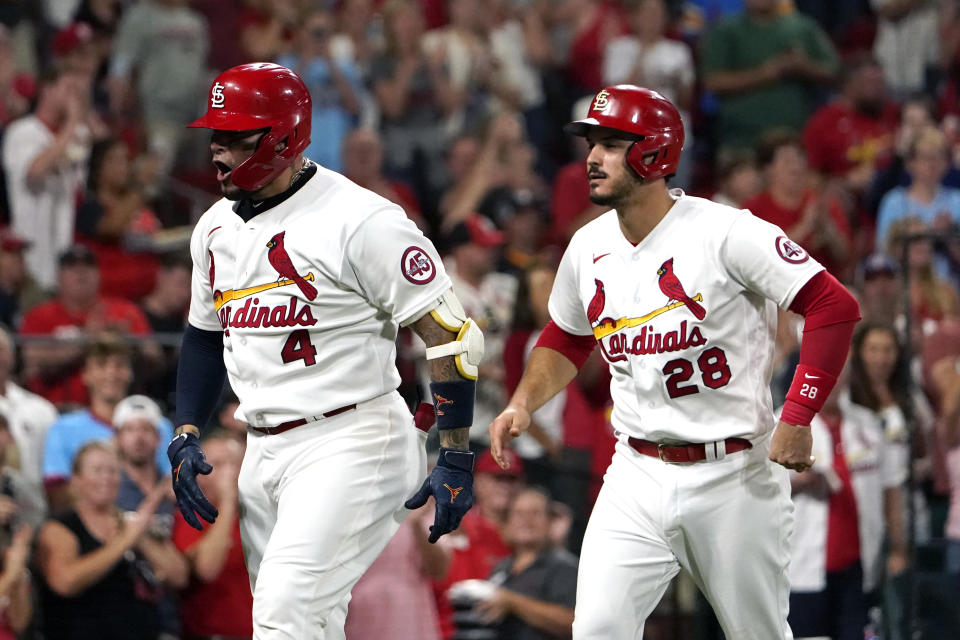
216 96
601 101
416 266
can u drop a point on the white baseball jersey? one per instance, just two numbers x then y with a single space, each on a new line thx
309 295
686 318
878 459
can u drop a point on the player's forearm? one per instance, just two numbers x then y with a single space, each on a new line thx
722 82
70 579
554 619
208 557
443 370
200 376
547 373
455 438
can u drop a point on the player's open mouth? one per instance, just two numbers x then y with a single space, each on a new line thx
223 171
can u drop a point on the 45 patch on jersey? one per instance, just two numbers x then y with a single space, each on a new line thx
417 266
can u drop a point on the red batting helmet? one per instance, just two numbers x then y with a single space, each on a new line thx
261 95
639 112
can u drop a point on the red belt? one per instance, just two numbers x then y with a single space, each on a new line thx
293 424
690 452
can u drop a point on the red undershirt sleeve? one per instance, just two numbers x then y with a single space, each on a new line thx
830 313
575 348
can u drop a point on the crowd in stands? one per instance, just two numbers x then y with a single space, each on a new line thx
838 120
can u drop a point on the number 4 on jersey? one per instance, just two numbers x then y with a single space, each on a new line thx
299 347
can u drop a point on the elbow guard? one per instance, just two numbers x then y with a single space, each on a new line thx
467 349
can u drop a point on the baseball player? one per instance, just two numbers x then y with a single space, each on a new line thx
300 281
681 296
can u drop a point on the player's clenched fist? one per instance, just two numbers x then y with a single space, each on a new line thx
508 425
791 446
451 485
186 461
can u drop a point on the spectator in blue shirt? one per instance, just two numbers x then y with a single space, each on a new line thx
107 373
926 199
335 87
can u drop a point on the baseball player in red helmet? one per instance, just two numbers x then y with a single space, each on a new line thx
681 296
300 282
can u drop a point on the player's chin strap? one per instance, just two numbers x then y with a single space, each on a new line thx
467 349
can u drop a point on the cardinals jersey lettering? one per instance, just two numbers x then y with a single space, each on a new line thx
309 295
685 319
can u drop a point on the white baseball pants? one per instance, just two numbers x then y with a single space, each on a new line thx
318 504
727 522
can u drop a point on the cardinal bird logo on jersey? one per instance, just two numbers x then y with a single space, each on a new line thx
280 260
671 287
595 308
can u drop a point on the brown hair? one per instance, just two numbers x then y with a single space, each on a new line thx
93 445
108 345
773 141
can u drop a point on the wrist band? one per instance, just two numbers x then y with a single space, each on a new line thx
453 402
456 459
807 394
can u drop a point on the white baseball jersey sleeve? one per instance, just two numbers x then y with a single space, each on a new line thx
685 319
309 295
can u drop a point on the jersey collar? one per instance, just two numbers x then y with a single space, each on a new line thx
248 208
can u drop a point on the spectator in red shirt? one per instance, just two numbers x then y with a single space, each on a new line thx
477 545
853 135
570 206
594 23
114 219
217 602
78 310
807 216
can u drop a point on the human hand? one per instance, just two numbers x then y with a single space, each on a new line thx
791 446
437 57
187 460
451 485
8 509
17 555
897 563
943 221
136 523
506 129
512 422
227 482
495 608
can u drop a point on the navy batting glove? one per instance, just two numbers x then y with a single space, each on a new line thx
187 460
451 485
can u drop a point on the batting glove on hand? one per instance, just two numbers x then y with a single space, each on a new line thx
187 460
451 485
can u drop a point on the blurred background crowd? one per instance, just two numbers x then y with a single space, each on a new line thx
838 120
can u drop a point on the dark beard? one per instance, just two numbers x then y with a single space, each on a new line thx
610 200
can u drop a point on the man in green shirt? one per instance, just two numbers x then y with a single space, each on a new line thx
763 65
